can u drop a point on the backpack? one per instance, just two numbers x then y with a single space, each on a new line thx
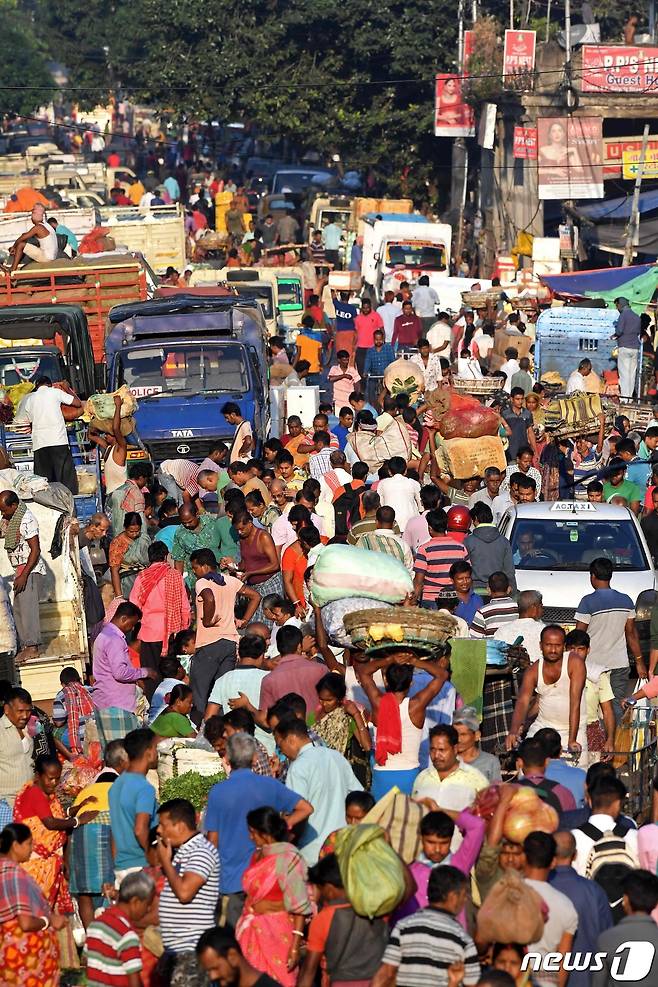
544 790
608 862
346 510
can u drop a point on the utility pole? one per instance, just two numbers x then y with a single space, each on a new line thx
634 220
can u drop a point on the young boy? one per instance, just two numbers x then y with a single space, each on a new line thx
309 347
351 945
78 708
114 953
601 723
344 427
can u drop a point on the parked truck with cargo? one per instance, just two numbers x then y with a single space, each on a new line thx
400 248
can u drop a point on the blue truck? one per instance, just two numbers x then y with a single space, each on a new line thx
183 357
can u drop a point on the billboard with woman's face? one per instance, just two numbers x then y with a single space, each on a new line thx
570 157
452 116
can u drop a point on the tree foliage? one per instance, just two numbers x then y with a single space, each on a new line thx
22 63
354 79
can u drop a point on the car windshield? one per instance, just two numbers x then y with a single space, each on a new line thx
573 543
189 369
290 295
293 181
16 368
415 255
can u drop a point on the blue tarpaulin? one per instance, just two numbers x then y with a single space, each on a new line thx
619 208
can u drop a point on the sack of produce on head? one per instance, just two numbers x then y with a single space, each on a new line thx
511 912
404 377
345 571
464 458
372 872
333 613
101 406
466 418
128 425
527 813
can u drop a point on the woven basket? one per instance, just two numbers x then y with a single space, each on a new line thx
399 627
639 415
486 387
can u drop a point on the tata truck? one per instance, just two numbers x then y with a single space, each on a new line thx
184 357
400 248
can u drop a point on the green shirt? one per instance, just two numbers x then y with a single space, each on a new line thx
626 489
228 537
172 725
207 535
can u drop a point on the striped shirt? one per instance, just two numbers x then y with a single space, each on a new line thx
181 924
499 611
319 464
434 559
184 473
113 950
423 946
384 540
533 473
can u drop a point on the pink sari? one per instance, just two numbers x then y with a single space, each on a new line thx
277 874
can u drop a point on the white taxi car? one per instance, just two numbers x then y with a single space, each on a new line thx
553 545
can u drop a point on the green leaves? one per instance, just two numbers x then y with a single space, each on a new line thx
191 786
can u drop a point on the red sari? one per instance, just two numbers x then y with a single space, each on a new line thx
46 865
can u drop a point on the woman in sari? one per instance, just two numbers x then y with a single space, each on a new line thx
38 807
128 555
270 928
342 725
29 956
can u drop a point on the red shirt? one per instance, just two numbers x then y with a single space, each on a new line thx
113 949
365 326
407 330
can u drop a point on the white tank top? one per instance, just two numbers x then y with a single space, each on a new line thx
115 475
412 735
49 243
554 705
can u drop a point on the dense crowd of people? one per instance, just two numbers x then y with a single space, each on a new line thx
344 774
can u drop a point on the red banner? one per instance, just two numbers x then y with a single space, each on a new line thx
452 116
619 69
469 47
519 53
525 143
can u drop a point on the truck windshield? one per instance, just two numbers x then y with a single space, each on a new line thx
431 256
574 543
261 295
188 368
290 295
16 368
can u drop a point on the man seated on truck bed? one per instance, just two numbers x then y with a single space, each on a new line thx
39 243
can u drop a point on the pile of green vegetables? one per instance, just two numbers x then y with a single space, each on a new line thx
191 786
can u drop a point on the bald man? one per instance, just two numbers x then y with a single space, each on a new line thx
588 898
39 243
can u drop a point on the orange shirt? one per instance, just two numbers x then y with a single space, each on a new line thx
294 561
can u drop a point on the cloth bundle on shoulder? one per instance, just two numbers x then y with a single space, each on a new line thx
344 571
372 872
511 912
375 448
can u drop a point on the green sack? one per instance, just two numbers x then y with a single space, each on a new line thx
372 872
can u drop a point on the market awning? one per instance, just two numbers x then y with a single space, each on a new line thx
637 283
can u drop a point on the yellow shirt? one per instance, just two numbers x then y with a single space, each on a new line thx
310 349
135 192
457 791
595 693
100 792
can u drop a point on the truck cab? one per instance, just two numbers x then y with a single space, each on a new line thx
183 358
288 287
258 292
400 248
51 341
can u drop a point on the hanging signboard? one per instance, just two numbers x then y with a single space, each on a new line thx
615 148
519 54
619 69
452 116
631 163
525 143
569 157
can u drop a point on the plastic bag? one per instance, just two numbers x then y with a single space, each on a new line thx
345 571
404 377
372 872
511 912
466 418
